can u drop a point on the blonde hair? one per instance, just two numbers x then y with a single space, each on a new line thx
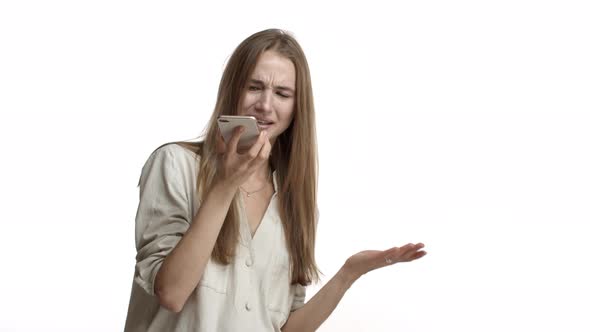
293 156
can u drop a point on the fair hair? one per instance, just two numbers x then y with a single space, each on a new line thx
293 156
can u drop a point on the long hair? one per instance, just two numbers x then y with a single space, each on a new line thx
293 156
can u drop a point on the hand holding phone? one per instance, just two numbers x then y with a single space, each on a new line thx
227 124
238 166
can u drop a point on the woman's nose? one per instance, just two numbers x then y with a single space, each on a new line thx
264 100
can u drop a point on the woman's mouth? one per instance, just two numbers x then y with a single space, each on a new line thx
262 125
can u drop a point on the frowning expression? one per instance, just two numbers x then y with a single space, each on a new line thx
269 94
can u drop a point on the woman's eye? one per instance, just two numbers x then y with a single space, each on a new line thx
253 88
283 95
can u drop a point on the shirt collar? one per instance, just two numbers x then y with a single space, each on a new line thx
274 180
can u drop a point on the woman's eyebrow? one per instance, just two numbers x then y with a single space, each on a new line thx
278 87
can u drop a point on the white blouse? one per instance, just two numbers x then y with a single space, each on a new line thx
252 293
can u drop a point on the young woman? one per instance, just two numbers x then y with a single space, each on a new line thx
225 238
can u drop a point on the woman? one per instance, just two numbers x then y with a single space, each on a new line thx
225 238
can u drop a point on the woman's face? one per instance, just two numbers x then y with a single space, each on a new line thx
269 94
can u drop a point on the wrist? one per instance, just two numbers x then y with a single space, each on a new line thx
347 276
224 188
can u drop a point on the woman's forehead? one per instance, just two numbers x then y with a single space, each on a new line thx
272 68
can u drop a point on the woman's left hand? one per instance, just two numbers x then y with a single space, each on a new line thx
369 260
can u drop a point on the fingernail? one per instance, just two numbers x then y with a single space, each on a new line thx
263 133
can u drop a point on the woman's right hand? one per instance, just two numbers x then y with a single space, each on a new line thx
237 166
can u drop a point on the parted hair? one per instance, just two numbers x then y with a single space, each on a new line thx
293 156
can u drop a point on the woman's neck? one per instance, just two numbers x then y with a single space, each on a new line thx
261 175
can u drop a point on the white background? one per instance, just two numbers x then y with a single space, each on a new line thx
460 124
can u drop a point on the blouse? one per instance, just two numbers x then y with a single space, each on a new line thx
252 293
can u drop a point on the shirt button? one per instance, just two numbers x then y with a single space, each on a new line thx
248 262
248 307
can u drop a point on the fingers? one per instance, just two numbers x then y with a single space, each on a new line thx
418 254
254 150
263 154
413 251
405 253
220 146
235 138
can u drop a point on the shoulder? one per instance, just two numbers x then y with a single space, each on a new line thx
172 161
178 150
174 153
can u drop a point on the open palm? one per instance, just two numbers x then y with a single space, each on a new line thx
369 260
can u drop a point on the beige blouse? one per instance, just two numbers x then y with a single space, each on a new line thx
253 293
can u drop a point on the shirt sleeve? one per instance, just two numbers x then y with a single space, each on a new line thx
299 298
162 215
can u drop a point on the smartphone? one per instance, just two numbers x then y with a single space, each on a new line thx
227 124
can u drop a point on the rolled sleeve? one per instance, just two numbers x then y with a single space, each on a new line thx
162 215
299 297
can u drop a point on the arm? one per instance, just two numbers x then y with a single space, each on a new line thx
318 309
182 269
